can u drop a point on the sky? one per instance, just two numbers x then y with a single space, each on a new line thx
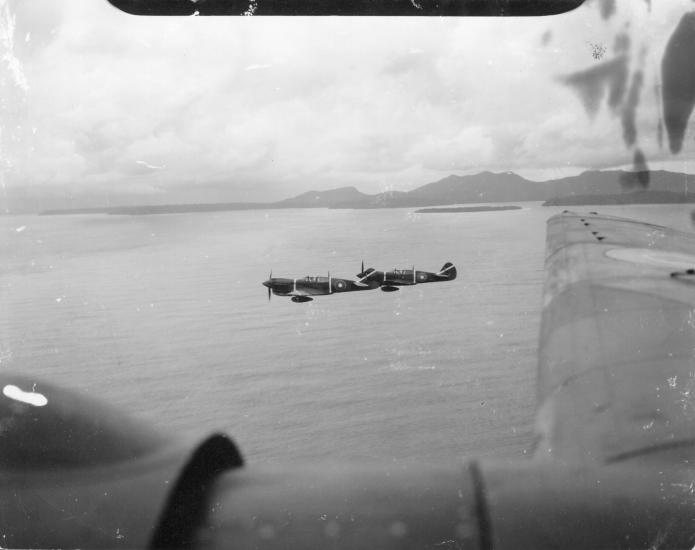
97 104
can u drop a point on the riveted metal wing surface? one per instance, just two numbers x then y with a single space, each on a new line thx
617 343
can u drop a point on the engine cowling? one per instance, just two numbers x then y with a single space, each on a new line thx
75 473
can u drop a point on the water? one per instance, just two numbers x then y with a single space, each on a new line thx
165 317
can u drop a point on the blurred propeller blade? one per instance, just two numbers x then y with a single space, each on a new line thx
270 278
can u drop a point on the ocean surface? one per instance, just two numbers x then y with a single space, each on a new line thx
164 317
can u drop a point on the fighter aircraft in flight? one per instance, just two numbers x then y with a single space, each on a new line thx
391 280
303 290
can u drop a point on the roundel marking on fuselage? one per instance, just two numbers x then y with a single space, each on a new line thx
422 276
340 285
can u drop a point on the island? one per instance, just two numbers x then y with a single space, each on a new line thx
455 209
634 197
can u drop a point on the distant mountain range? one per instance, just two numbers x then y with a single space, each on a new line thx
591 187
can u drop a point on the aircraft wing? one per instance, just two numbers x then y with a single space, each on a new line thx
302 290
398 282
616 377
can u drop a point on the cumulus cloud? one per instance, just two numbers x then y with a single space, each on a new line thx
463 151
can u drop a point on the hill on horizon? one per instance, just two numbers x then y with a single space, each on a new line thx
511 187
484 187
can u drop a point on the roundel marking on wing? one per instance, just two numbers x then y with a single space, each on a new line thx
653 257
340 285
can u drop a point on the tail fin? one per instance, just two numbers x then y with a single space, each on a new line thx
366 272
364 276
448 271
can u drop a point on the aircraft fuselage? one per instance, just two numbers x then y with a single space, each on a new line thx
304 288
407 277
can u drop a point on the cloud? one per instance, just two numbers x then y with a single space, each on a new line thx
463 151
148 165
37 23
258 66
263 108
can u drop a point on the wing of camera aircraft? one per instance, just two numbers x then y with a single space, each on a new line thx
612 464
617 343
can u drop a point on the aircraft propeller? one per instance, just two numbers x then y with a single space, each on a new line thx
270 292
330 286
